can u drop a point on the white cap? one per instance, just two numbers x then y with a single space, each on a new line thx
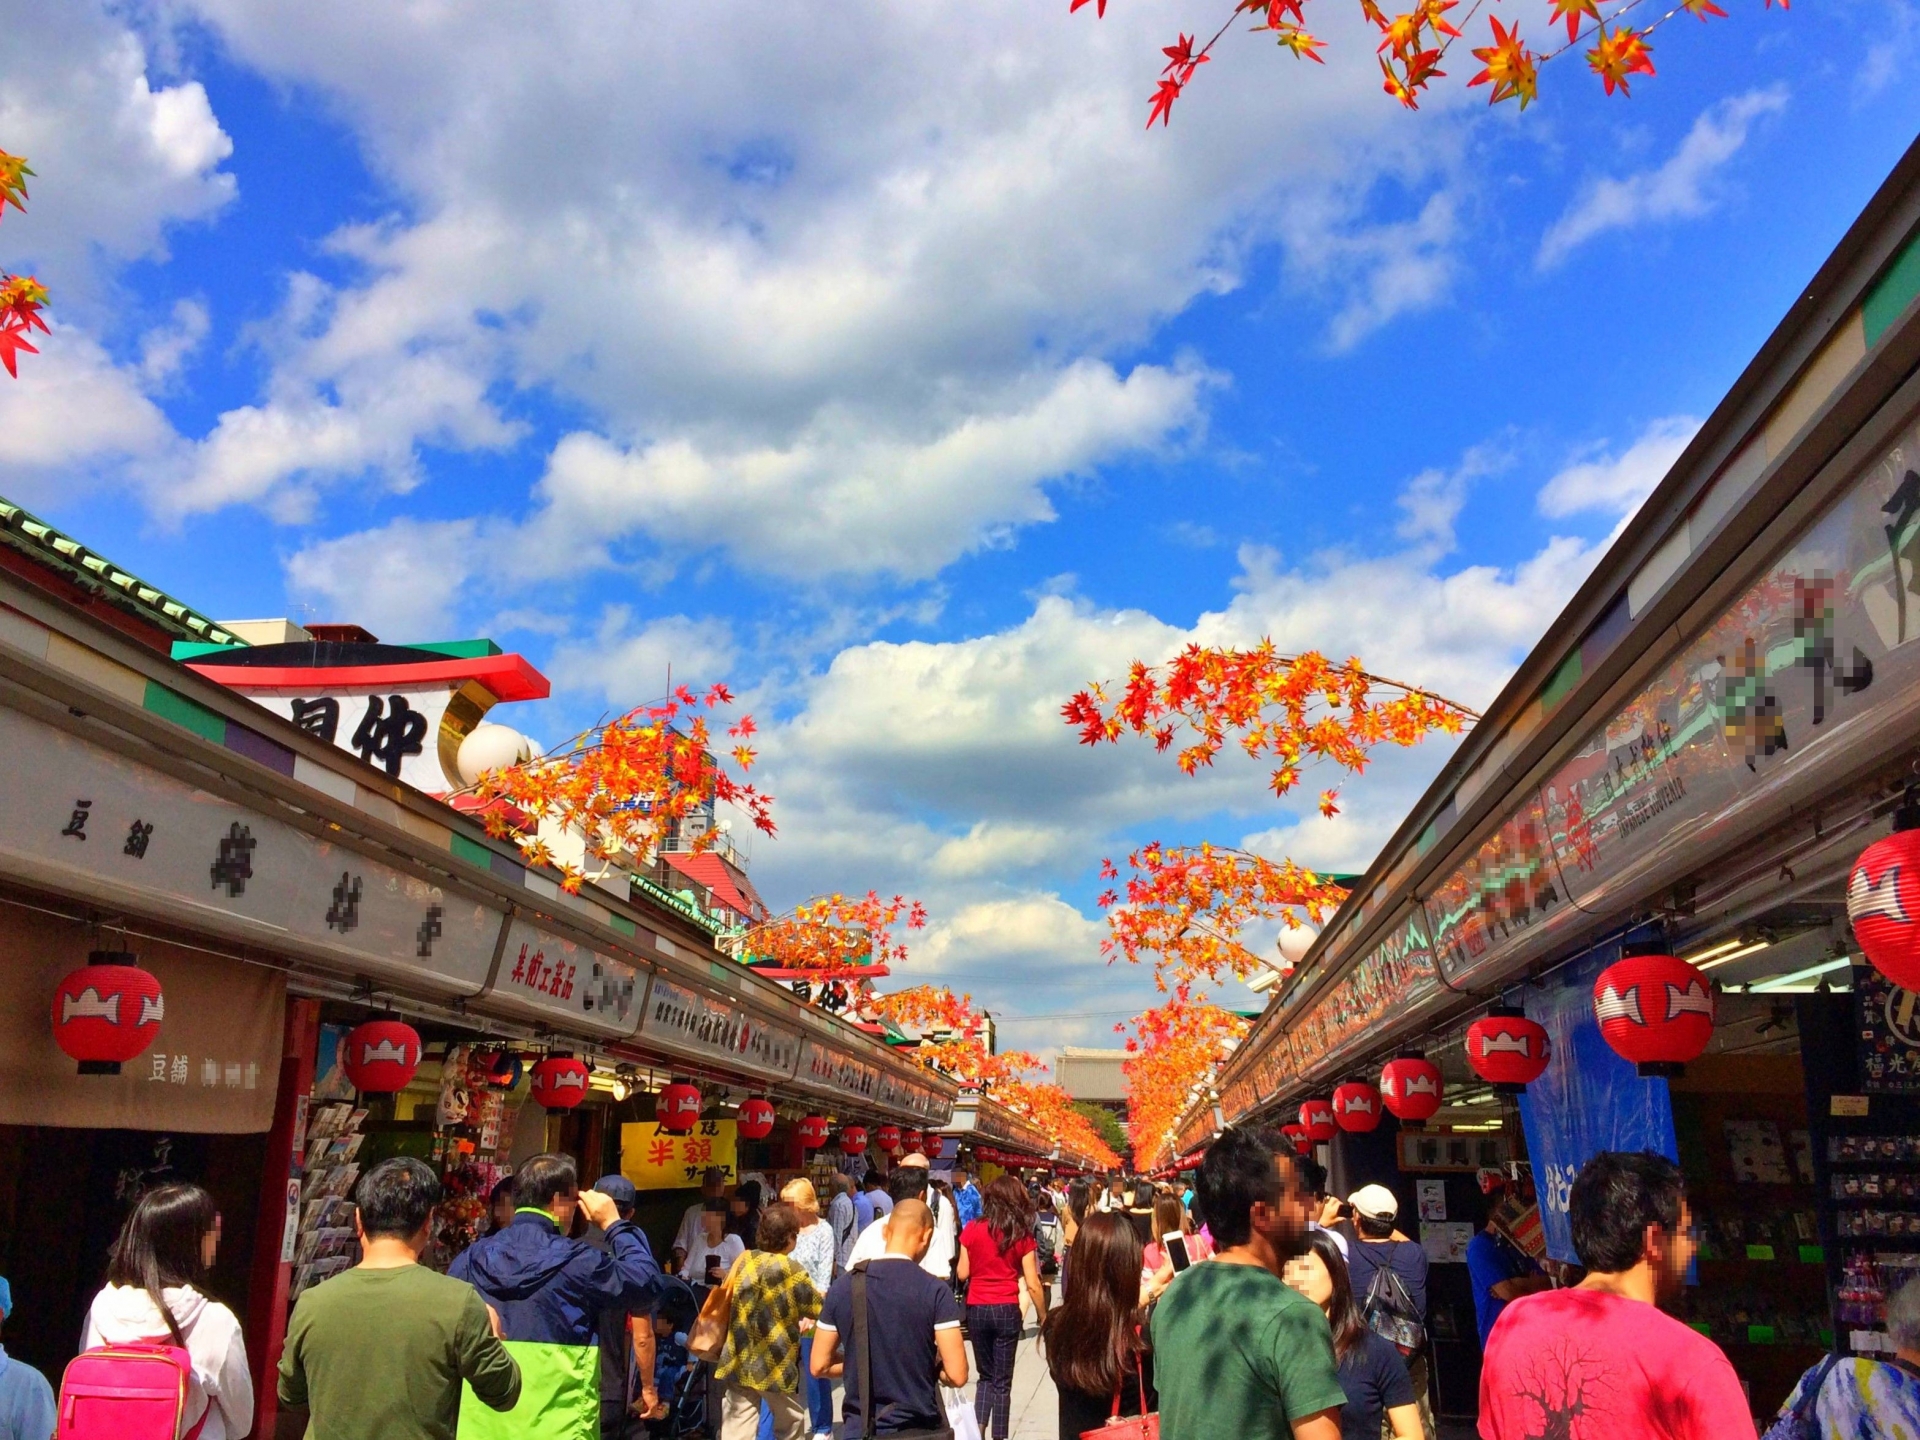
1376 1202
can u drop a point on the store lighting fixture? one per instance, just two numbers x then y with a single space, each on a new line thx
1719 948
1783 982
1738 952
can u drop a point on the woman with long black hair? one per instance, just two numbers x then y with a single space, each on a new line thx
156 1292
997 1253
1372 1371
1095 1339
1079 1196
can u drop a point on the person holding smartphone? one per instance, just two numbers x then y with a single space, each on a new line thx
714 1250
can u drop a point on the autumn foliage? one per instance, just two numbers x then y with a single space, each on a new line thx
1414 42
622 786
1172 1048
835 932
21 296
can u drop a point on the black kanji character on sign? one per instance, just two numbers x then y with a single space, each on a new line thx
77 823
344 914
233 866
318 717
388 738
138 834
429 931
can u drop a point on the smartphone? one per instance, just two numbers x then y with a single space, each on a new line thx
1177 1252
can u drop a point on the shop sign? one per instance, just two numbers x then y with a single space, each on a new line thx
1587 1101
1393 979
1824 636
395 731
684 1022
835 1070
1889 1019
92 822
654 1159
549 977
1503 890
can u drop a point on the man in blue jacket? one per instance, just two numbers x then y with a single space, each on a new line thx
549 1292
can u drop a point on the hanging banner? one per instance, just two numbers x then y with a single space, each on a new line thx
1889 1032
1588 1100
653 1159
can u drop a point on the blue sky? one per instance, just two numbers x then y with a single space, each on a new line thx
875 360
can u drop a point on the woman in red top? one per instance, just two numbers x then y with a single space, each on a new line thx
996 1254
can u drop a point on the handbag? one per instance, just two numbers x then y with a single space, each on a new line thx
1129 1427
862 1349
708 1338
1799 1423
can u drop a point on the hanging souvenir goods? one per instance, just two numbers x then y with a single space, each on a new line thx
107 1011
756 1119
813 1132
380 1056
502 1068
887 1139
560 1081
1507 1048
1298 1135
678 1109
1356 1107
913 1142
1883 901
1655 1010
1316 1118
1411 1088
853 1140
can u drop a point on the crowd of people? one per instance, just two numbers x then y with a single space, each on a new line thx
1251 1305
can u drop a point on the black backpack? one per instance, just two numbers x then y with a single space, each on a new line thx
1390 1313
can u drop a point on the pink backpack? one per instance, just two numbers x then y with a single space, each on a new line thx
128 1392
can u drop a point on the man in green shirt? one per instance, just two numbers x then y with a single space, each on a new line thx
381 1349
1235 1351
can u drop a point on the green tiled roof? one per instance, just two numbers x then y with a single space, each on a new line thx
27 533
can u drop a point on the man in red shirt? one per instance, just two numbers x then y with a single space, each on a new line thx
1600 1361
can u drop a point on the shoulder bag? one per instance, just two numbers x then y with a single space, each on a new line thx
863 1351
1800 1423
1131 1427
708 1338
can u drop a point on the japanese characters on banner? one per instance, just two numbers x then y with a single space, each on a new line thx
656 1159
549 976
839 1073
398 732
683 1022
1395 977
81 817
1889 1019
1502 892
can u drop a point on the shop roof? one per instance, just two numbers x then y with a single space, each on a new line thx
730 887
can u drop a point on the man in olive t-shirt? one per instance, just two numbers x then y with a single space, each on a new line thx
380 1350
1235 1351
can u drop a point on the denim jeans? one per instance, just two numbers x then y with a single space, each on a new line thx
820 1404
995 1331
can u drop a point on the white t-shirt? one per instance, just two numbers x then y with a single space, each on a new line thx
938 1260
730 1249
690 1231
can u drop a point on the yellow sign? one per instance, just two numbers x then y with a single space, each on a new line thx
654 1159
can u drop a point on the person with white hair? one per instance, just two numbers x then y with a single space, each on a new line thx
1858 1397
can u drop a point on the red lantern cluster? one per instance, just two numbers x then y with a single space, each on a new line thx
1655 1010
1508 1049
1298 1135
887 1139
1411 1087
853 1140
677 1110
1356 1107
756 1119
560 1081
107 1012
812 1132
1883 902
1316 1118
380 1056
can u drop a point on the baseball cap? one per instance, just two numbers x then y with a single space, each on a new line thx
915 1162
1376 1202
618 1189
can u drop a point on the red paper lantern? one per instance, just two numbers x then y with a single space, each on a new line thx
560 1082
381 1056
1655 1010
1411 1087
107 1011
677 1110
853 1140
1298 1135
756 1119
913 1142
1507 1048
1356 1107
1883 902
887 1139
813 1132
1316 1116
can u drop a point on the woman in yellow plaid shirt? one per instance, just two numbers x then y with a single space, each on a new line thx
774 1303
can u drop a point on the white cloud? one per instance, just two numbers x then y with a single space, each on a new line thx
629 666
401 581
1680 188
164 349
1616 484
71 413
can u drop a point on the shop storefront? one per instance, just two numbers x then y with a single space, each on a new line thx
1689 764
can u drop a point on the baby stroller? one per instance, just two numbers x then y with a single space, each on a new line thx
680 1380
